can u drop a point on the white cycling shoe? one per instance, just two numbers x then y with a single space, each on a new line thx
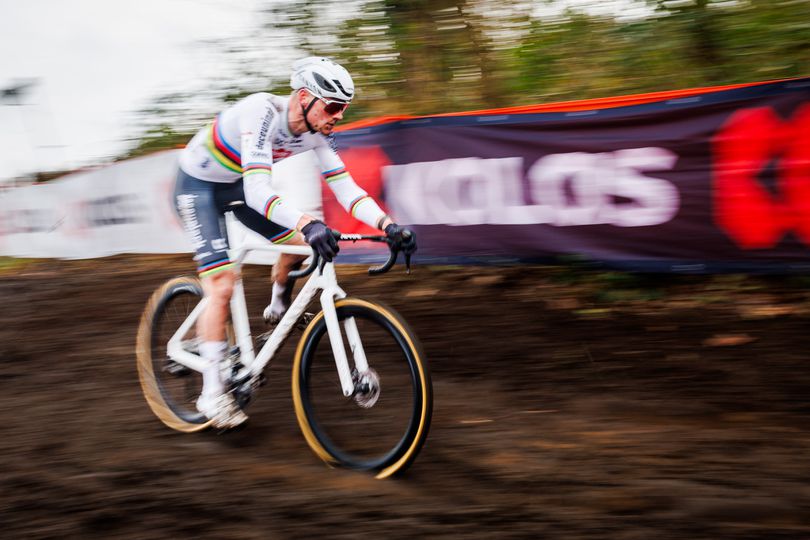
222 409
273 313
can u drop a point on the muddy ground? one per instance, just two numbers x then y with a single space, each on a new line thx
568 404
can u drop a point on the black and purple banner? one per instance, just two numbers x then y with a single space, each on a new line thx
714 180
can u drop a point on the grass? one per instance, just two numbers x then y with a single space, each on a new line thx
10 265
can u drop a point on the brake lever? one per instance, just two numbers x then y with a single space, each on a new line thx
337 235
406 235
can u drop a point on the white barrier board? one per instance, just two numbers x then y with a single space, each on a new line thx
126 208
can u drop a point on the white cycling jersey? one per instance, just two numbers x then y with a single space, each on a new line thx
246 139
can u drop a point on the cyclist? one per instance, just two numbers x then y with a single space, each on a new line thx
227 166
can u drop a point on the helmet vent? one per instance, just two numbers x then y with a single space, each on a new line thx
323 83
346 92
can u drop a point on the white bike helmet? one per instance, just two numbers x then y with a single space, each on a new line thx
323 78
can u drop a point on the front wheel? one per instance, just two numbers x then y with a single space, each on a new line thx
384 424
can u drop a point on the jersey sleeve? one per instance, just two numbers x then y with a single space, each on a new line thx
257 124
354 199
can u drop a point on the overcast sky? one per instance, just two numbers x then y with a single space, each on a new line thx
96 62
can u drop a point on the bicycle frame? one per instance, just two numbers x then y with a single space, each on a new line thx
253 364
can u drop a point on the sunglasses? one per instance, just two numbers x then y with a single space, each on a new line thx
334 107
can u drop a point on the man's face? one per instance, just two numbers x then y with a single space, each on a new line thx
319 116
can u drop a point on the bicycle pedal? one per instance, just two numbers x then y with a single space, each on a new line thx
236 368
178 370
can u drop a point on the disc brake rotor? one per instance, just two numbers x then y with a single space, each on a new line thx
366 388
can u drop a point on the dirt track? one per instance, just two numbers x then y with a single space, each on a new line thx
567 405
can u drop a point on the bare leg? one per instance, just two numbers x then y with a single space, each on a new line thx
286 264
214 401
282 285
211 328
218 289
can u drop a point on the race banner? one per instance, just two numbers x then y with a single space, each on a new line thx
701 180
712 179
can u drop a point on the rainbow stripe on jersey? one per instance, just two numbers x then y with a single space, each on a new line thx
225 154
335 174
283 236
257 168
357 202
214 267
272 202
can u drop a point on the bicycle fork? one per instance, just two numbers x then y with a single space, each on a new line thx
347 383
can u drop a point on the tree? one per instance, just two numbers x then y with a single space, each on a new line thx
437 56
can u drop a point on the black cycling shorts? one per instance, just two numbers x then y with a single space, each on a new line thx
201 206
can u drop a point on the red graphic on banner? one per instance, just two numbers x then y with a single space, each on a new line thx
365 165
751 140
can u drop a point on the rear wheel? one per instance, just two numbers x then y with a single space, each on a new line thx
171 389
383 425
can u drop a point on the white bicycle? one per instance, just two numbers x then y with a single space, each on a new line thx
367 410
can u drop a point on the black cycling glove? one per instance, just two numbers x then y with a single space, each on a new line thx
401 238
321 239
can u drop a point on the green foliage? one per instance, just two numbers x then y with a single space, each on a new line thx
437 56
13 265
423 57
159 138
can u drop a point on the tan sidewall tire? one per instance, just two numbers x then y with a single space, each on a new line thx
424 380
146 374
